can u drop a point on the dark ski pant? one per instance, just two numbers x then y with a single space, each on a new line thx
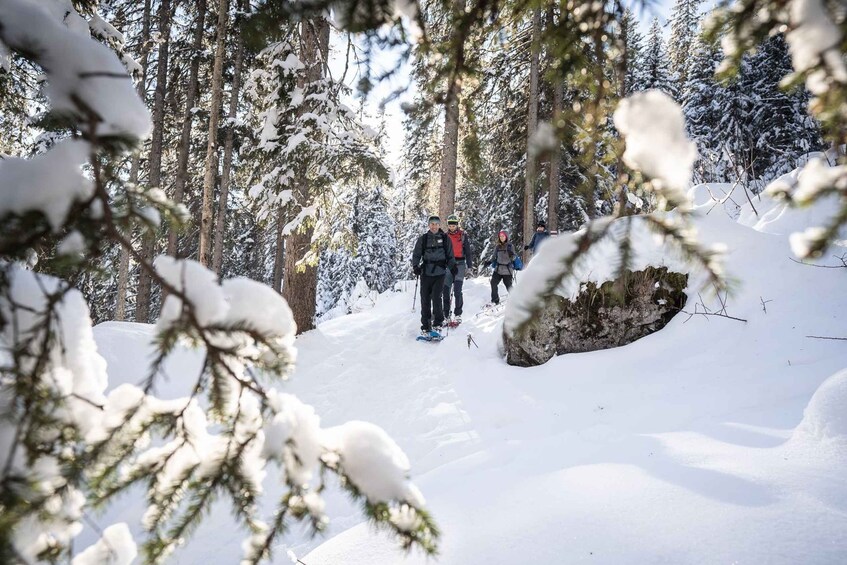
455 284
495 281
431 301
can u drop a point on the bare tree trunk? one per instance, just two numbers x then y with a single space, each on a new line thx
531 126
220 220
450 147
211 165
558 86
141 88
188 118
279 256
148 247
300 282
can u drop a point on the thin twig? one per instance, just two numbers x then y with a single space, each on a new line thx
827 337
764 303
843 259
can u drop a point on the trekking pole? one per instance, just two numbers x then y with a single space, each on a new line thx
415 295
451 299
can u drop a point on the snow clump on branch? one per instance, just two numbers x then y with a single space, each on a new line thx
656 144
814 39
373 462
116 547
50 183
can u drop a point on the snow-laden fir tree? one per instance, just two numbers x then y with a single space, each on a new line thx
307 142
68 442
656 72
363 250
782 130
685 26
703 111
632 80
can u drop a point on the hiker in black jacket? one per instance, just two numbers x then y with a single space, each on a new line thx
431 260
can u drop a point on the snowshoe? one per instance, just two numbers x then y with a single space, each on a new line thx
431 335
491 310
454 322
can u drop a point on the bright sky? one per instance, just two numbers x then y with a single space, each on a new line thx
392 113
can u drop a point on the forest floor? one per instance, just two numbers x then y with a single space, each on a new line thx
697 444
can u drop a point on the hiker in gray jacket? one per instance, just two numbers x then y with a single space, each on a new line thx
502 263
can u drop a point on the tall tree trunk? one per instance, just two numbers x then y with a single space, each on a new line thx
558 86
211 165
447 192
188 118
226 172
531 126
300 283
555 161
141 89
148 246
279 255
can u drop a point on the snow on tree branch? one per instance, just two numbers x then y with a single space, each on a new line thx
83 76
653 126
50 183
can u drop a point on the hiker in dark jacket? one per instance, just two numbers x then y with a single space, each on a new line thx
431 260
540 235
464 260
502 263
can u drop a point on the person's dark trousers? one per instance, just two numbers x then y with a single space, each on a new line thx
456 284
431 288
495 281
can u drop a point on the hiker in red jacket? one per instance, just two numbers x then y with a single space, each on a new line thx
464 259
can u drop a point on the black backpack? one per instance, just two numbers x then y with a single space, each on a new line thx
433 252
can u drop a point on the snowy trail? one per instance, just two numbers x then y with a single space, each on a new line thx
673 448
687 446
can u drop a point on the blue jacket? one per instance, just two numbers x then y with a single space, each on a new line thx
536 240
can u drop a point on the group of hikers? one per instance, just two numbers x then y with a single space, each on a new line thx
442 260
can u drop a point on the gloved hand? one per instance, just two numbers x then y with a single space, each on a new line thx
454 270
417 270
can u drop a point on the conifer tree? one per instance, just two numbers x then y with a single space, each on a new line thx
702 110
685 25
781 129
656 68
632 80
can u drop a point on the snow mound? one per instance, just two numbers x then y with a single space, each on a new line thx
825 416
770 215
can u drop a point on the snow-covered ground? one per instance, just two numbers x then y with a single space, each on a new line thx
712 441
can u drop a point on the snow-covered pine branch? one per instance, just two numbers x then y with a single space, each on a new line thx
67 442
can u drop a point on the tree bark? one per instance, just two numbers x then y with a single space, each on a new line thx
148 246
558 87
211 165
226 171
555 161
141 89
300 282
531 126
279 255
449 156
188 118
